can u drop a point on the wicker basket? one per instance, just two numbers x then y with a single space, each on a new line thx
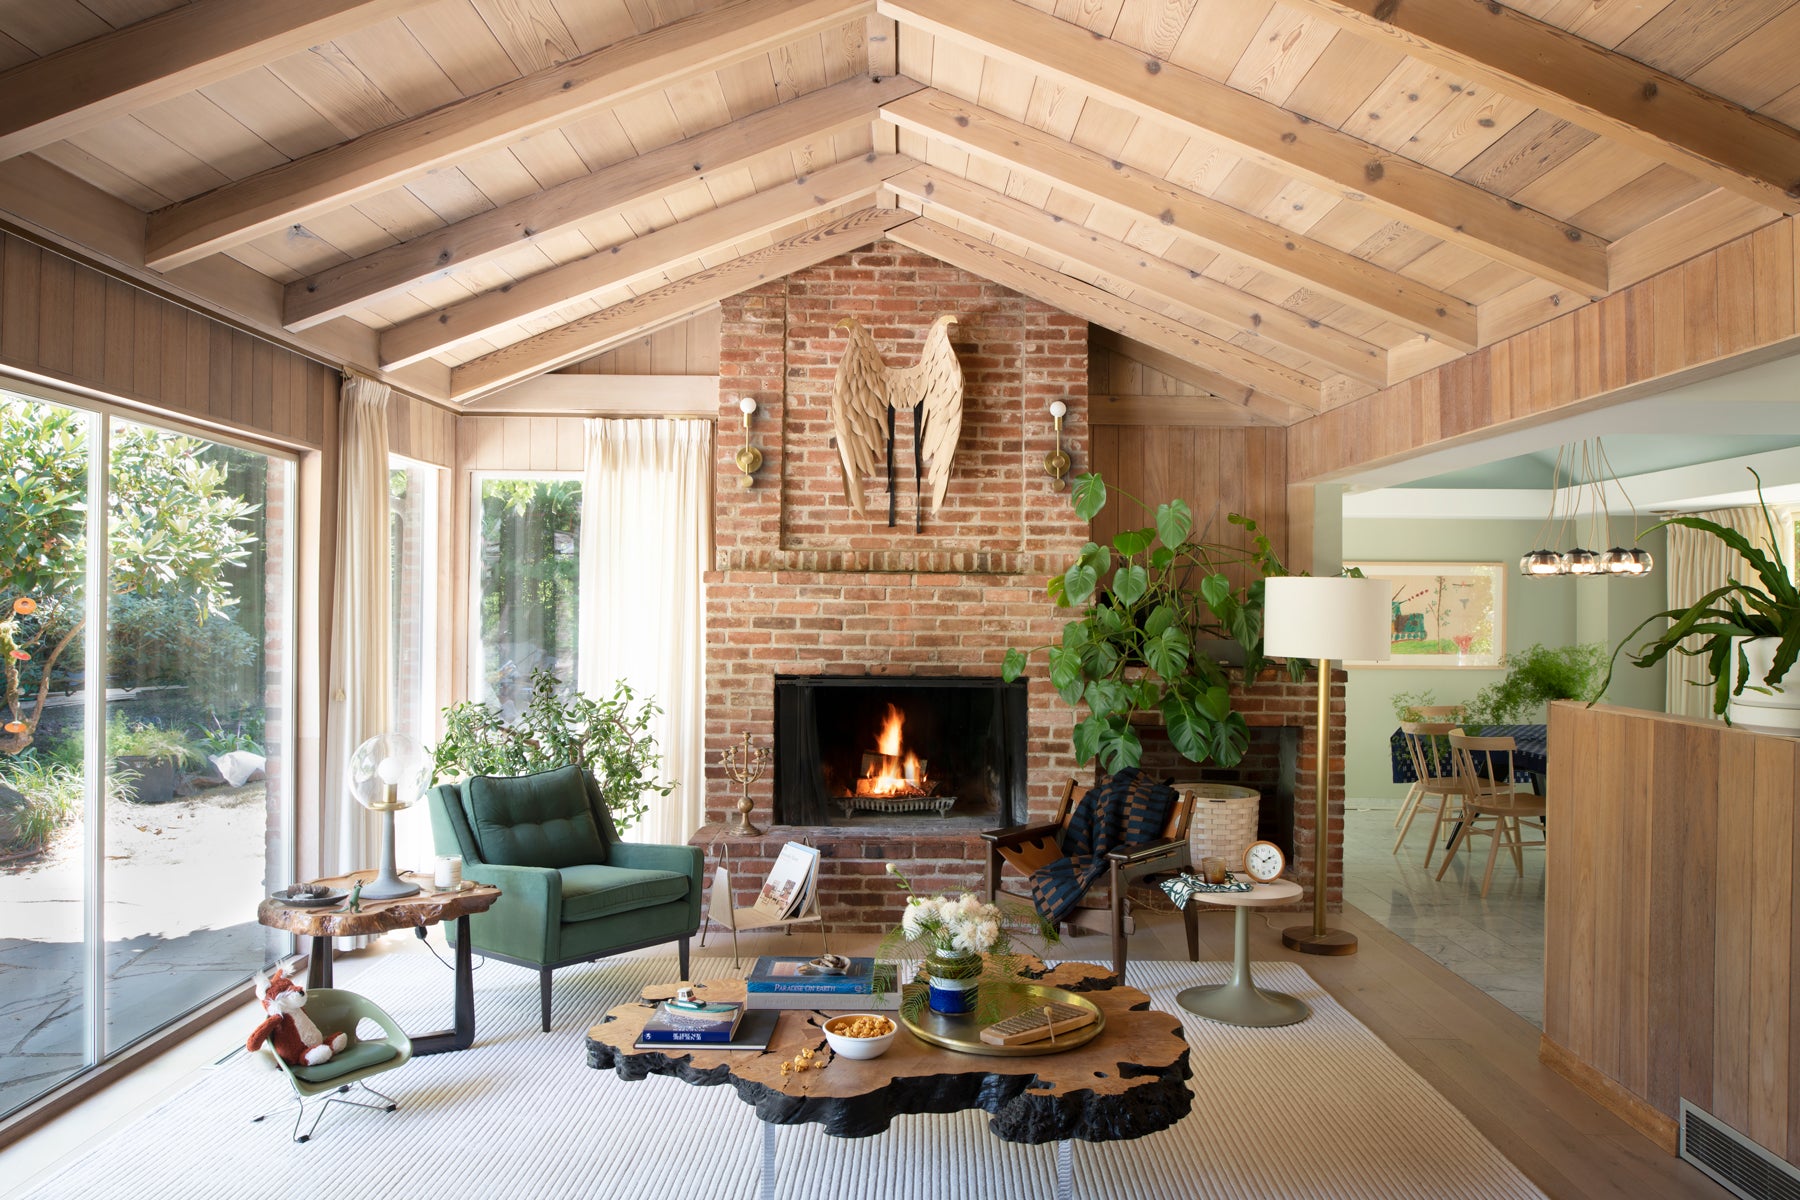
1224 821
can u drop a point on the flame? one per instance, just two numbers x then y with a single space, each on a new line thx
889 741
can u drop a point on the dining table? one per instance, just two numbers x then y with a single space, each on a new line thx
1530 759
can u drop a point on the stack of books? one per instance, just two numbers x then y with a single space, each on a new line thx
779 982
718 1026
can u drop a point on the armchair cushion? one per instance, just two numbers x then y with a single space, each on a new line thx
593 891
542 820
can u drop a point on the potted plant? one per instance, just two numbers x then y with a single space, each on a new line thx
148 754
1150 612
1748 632
610 739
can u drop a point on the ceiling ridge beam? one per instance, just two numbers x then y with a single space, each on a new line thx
1426 199
337 290
638 259
90 83
1326 269
598 331
383 158
1256 318
1657 114
1238 375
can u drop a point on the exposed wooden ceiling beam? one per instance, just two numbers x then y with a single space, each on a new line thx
1340 275
813 117
1236 374
597 331
639 259
383 158
1266 323
1166 94
175 52
1653 112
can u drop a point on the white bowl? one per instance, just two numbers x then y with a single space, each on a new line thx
859 1047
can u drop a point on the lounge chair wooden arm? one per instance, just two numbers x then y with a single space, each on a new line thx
1148 853
1015 835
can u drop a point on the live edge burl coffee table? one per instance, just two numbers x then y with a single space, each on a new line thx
1127 1082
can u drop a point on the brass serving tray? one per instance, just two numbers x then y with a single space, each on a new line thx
962 1033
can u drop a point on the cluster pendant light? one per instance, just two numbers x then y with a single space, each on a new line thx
1595 470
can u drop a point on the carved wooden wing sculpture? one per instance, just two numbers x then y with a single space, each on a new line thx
859 410
868 391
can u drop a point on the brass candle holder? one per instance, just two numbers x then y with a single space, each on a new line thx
746 764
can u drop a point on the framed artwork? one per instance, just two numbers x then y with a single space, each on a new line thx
1444 614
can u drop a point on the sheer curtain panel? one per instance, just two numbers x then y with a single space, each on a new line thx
646 535
360 623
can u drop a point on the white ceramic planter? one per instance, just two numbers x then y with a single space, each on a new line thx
1776 708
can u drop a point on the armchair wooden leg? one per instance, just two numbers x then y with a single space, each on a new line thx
683 954
544 996
1190 916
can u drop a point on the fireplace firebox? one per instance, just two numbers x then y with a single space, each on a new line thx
937 753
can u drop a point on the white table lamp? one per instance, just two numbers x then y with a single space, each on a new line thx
1325 619
387 773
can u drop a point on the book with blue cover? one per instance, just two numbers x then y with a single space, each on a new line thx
776 973
705 1023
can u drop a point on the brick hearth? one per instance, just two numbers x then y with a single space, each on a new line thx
803 586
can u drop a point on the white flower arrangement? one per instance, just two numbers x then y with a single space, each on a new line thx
963 926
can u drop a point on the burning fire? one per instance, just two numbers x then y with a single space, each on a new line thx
889 771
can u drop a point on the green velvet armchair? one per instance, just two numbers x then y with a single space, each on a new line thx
572 891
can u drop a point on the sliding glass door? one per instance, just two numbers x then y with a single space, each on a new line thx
527 533
145 797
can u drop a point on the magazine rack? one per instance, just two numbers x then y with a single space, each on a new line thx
737 920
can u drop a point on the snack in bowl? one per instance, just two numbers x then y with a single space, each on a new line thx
860 1035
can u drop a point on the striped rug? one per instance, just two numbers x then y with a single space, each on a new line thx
1319 1109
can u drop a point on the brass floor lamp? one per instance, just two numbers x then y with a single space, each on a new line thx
1330 618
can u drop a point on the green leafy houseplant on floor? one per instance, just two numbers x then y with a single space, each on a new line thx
1146 607
1767 606
611 739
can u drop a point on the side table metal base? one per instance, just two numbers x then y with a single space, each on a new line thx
1241 1002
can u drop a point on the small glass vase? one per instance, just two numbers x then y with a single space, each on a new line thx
954 981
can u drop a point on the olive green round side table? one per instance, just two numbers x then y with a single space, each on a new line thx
1241 1002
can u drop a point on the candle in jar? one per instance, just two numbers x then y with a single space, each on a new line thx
449 872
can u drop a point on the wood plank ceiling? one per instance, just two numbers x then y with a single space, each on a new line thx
1287 204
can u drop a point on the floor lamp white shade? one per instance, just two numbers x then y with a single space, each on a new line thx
1324 619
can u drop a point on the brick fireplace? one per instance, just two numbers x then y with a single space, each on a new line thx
803 587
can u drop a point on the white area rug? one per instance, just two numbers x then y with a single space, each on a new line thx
1319 1109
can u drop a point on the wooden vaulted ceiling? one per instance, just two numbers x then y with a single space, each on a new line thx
1287 204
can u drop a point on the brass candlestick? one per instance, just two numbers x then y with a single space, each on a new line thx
746 764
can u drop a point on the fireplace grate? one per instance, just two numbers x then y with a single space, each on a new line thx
1733 1160
852 805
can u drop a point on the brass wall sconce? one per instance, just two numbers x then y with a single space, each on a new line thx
749 459
1056 463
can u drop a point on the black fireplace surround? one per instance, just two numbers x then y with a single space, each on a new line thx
970 731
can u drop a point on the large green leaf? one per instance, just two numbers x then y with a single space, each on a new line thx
1174 521
1012 666
1079 581
1089 496
1057 588
1167 653
1108 696
1215 589
1087 738
1119 746
1130 583
1161 617
1187 732
1133 542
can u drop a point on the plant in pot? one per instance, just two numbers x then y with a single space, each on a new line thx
149 754
1156 615
1746 631
610 739
1534 677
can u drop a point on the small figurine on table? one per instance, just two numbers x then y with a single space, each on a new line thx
354 904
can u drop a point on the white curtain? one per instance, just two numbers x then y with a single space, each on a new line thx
646 534
1698 563
360 623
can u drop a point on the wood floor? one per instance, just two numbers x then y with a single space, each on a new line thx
1478 1054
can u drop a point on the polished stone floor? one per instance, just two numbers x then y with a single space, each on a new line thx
1497 944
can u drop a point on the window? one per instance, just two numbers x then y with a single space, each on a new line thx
527 543
147 800
412 551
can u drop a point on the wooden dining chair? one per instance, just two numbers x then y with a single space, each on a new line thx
1492 803
1453 713
1442 793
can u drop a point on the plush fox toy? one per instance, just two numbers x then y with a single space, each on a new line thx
297 1040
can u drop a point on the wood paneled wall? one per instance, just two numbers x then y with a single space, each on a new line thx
422 431
1738 298
1670 963
689 347
1218 471
69 322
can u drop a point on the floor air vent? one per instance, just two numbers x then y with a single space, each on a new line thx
1733 1160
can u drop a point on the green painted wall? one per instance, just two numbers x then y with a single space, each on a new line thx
1555 612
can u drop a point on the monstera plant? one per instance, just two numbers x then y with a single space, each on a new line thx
1150 610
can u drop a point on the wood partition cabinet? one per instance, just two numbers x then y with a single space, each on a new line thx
1670 966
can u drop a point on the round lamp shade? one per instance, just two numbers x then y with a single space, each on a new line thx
388 772
1332 617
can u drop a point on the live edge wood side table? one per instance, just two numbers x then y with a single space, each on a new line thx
380 916
1128 1082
